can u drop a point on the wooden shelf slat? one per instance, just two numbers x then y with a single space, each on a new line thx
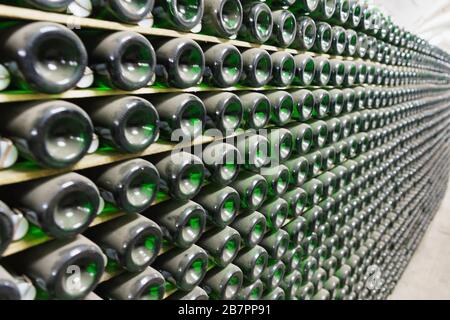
21 96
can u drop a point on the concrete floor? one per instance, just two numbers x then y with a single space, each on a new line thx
427 277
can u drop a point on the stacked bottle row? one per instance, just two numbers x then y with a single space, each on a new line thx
290 23
329 166
126 60
58 134
325 195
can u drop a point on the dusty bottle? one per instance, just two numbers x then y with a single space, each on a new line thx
181 222
183 268
55 134
251 227
181 61
284 28
145 285
183 174
43 56
224 62
62 206
258 22
63 269
222 245
131 185
184 15
222 18
132 241
224 110
283 69
257 67
223 283
221 204
129 124
122 60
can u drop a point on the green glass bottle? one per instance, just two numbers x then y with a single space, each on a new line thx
63 269
183 174
132 241
146 285
224 62
321 104
223 283
42 56
182 223
220 203
277 180
304 69
128 12
276 243
183 268
54 134
251 291
257 67
183 61
282 106
303 104
258 22
273 274
183 15
284 28
322 71
323 40
320 133
131 185
252 262
223 162
254 150
252 189
305 35
315 163
296 200
296 229
283 69
256 110
222 18
275 212
314 188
